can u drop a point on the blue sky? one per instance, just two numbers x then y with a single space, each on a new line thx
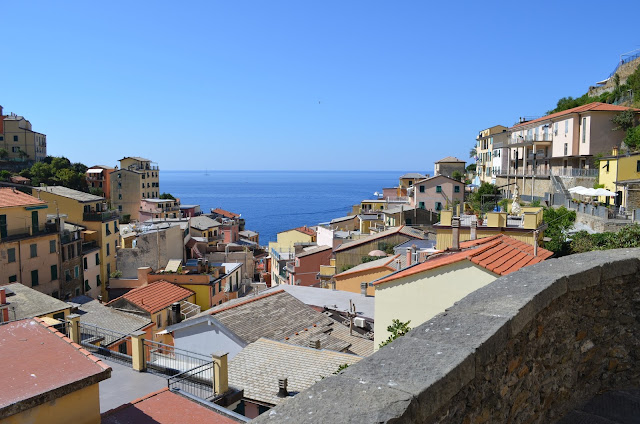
290 85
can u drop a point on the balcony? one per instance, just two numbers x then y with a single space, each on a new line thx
89 246
100 216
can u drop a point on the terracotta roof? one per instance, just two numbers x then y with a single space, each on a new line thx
164 407
500 254
40 363
408 231
450 159
306 230
313 251
156 296
591 107
226 214
11 198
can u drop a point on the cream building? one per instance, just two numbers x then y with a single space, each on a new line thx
489 146
19 139
137 179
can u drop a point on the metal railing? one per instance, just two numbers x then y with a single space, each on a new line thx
99 216
560 172
197 381
171 360
101 341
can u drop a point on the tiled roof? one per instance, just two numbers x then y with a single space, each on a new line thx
306 230
10 197
203 222
342 219
28 303
413 175
275 315
247 233
70 193
165 407
139 159
386 262
224 213
257 367
156 296
450 159
500 254
39 364
408 231
95 313
591 107
436 177
313 251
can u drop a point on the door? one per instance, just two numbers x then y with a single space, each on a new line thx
35 225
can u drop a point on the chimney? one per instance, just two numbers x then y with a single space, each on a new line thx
363 288
474 230
99 298
282 388
175 313
455 234
143 273
614 151
409 252
314 343
3 300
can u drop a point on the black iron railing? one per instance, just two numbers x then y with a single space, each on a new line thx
197 381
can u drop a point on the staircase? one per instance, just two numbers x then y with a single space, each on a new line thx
560 192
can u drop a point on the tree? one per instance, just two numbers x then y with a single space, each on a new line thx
457 175
40 173
397 329
5 175
623 120
632 139
490 193
96 191
473 152
558 221
626 237
4 153
471 167
59 163
167 196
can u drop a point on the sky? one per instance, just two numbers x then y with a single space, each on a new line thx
297 85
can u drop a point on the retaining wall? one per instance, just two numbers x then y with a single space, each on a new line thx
526 348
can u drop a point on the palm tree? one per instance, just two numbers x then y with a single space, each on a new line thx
473 152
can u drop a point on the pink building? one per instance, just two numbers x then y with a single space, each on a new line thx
159 209
229 231
437 193
304 269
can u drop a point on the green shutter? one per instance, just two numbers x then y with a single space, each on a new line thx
34 278
3 226
54 272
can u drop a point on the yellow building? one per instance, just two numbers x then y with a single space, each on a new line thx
420 292
284 249
18 138
92 213
621 174
522 228
53 382
407 180
352 279
137 179
29 250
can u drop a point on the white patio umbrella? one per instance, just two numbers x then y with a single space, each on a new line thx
588 192
576 189
605 192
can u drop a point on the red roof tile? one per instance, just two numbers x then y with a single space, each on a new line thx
10 197
164 407
156 296
226 214
499 254
306 230
591 107
38 359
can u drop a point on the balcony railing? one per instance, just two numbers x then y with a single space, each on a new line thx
560 172
100 216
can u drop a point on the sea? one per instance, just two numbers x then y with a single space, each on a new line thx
274 201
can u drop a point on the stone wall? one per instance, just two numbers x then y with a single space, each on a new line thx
526 348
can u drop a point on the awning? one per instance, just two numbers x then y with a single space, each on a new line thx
94 171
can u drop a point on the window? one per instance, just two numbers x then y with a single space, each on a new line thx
555 129
54 272
421 189
85 263
34 278
438 189
119 196
159 320
122 348
52 246
142 185
421 205
115 227
3 226
87 287
107 229
77 291
15 138
566 149
108 250
120 207
584 130
119 176
97 259
456 189
11 255
34 250
108 271
98 282
76 271
566 126
13 278
1 138
219 286
438 206
638 166
67 275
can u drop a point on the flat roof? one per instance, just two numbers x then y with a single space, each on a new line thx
41 365
26 302
70 193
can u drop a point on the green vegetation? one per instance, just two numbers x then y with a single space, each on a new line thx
559 221
341 368
457 175
57 171
471 167
5 175
167 196
344 268
4 153
628 236
366 259
473 152
632 139
484 199
116 274
397 329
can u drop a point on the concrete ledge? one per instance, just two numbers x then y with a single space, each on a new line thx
528 345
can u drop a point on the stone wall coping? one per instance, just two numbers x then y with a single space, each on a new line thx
416 375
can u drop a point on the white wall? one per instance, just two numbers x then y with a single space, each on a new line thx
421 296
206 338
325 236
